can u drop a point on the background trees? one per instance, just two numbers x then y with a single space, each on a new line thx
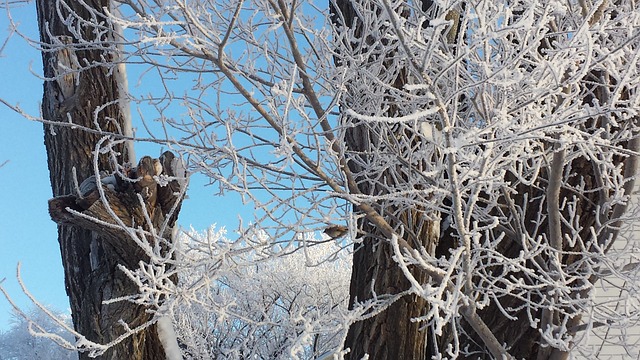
483 155
253 307
18 343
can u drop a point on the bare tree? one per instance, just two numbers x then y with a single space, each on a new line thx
271 308
521 234
481 153
18 343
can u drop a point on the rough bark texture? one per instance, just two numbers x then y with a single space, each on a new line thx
390 334
90 259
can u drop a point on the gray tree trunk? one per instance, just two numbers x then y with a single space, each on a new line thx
90 259
390 334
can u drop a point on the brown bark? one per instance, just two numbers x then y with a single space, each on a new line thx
390 334
90 258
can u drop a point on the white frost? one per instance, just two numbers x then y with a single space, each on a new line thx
120 75
168 339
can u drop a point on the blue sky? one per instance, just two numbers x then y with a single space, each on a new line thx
27 234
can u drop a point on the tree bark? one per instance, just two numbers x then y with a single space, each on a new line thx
88 97
390 334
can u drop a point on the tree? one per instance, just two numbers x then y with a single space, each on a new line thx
477 92
483 155
85 86
274 308
19 344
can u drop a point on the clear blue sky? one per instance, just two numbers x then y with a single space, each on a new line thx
27 234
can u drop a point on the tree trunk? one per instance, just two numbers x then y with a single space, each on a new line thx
390 334
90 261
